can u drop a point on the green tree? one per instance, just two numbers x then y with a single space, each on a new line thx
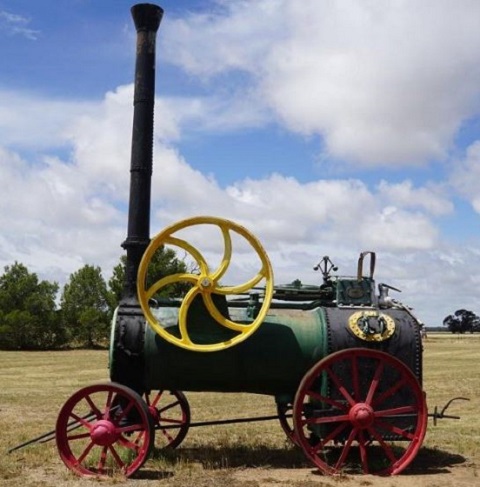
462 321
85 307
164 263
28 315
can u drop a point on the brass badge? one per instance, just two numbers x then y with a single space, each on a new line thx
371 326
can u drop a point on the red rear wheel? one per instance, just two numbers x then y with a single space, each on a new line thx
360 410
171 415
104 430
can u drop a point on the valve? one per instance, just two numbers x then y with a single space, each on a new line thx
384 300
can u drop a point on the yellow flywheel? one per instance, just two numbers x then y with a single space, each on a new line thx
205 283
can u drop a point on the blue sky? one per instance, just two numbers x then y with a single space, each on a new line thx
327 128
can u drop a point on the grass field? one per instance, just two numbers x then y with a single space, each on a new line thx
34 386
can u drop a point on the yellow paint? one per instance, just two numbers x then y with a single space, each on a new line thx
204 283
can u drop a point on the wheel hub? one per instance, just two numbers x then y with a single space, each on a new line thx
154 414
361 415
104 433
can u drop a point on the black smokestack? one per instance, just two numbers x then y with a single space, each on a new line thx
147 19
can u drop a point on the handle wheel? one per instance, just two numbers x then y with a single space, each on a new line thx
204 284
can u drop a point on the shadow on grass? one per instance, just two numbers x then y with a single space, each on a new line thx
233 457
428 461
432 460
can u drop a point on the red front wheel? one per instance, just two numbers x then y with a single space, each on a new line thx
360 410
104 430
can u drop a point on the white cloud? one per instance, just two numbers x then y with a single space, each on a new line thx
14 24
382 82
432 199
465 175
31 121
74 209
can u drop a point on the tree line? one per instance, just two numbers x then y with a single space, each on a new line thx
462 321
37 315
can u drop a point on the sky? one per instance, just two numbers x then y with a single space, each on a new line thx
324 127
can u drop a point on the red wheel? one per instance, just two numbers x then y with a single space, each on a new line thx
360 409
285 417
103 430
171 415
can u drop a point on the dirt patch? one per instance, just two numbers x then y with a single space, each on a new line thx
431 468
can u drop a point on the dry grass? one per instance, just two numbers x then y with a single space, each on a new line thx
34 386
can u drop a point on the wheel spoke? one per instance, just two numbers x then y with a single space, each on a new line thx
389 392
156 399
326 400
355 377
132 445
340 386
386 447
394 429
125 412
227 255
169 406
116 457
375 381
182 315
167 435
363 452
85 452
202 263
79 436
219 318
327 419
106 412
171 279
241 288
130 428
395 411
330 437
103 459
82 421
93 407
346 448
